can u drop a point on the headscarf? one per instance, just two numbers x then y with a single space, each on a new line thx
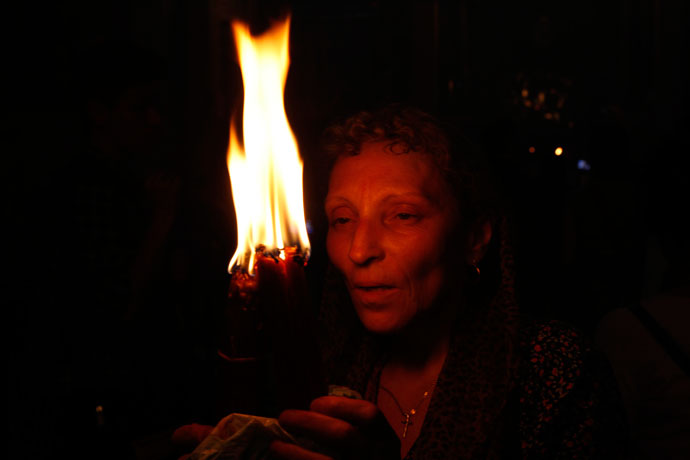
468 409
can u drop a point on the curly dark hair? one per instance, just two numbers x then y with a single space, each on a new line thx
411 130
461 165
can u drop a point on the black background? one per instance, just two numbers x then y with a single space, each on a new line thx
587 241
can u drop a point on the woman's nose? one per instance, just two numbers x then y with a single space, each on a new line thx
366 244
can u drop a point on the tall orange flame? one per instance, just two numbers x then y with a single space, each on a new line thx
265 173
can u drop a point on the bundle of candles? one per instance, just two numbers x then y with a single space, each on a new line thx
269 326
270 320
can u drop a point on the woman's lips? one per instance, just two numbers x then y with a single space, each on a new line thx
374 294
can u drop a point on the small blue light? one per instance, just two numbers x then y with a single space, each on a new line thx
582 165
310 227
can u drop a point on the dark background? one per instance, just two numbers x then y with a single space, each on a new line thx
596 228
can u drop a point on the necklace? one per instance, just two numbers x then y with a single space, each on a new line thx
406 420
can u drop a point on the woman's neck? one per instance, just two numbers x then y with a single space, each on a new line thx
409 376
424 343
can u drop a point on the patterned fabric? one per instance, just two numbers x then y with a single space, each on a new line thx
563 403
569 404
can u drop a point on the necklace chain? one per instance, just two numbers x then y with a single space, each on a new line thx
406 421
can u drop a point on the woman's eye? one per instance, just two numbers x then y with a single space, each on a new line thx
340 221
404 218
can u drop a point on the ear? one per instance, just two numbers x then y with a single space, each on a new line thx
478 241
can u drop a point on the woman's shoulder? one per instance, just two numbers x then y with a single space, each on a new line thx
551 330
554 358
552 353
568 400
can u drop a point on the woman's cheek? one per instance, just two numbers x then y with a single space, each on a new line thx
336 248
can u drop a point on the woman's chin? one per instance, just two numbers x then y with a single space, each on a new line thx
380 322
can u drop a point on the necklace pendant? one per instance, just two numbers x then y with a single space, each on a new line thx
407 423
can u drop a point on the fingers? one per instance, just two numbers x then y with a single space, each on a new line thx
285 451
352 427
373 432
355 411
319 427
191 435
362 414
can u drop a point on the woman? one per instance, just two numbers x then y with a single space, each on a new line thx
436 348
432 343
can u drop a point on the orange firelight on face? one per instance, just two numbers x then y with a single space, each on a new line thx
266 171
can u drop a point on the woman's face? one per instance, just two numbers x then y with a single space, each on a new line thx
390 217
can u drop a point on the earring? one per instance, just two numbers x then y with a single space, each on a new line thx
474 272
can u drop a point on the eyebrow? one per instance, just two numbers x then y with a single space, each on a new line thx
335 200
406 195
329 202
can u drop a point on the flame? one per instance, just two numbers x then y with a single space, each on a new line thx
266 172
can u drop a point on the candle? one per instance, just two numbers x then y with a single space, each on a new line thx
270 333
268 315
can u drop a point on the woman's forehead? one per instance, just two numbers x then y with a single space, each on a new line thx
376 170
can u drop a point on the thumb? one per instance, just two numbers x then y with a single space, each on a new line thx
191 435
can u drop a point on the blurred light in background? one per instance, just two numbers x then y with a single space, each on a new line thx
582 165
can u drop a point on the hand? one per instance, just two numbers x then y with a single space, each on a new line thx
187 437
350 428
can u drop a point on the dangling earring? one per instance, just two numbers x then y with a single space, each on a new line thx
474 272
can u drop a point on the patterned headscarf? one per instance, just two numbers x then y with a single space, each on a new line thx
466 413
467 409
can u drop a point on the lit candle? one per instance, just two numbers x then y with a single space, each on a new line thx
268 313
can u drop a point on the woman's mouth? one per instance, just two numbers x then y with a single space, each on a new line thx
374 293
